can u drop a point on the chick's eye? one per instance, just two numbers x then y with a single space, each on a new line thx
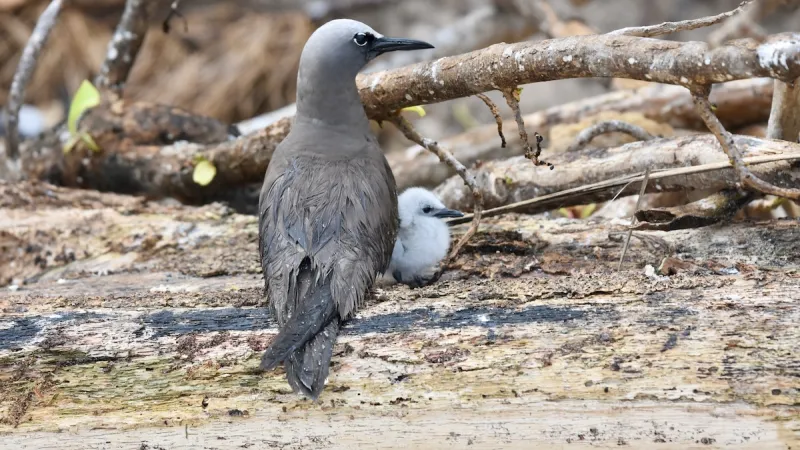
361 39
427 210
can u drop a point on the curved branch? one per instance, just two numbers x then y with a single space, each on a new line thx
25 69
609 126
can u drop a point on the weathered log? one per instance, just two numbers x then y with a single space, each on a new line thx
148 338
152 149
516 179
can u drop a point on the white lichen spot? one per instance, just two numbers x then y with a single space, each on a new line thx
508 52
631 60
434 70
567 58
684 80
729 76
430 92
707 61
648 76
775 55
408 97
374 84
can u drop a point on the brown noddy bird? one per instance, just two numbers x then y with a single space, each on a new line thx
328 207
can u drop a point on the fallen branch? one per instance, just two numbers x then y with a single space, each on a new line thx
125 44
446 157
732 151
609 126
683 25
594 175
152 149
25 68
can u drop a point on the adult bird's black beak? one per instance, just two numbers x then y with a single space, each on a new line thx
444 213
386 44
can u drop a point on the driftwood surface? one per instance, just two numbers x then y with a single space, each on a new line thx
140 325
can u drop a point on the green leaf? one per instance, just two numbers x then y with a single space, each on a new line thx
87 96
417 109
204 172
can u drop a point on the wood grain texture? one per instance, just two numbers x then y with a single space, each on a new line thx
141 324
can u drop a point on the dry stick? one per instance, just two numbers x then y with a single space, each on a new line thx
609 126
25 68
725 139
625 180
512 98
683 25
446 157
497 118
633 217
744 24
125 44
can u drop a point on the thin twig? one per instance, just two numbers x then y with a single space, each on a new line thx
609 126
125 44
703 107
683 25
633 217
744 24
497 118
25 68
512 98
626 180
446 157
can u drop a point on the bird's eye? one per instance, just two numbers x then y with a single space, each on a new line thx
427 210
362 39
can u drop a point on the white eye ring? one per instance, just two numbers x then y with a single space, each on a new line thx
362 36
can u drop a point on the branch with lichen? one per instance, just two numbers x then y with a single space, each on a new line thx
125 44
446 157
25 68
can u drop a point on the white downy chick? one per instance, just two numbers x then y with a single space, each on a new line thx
423 238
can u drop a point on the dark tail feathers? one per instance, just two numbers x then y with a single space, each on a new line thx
307 368
306 342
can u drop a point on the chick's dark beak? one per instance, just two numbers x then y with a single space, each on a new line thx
386 44
445 213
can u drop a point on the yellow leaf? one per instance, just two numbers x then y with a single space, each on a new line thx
204 172
588 210
417 109
87 96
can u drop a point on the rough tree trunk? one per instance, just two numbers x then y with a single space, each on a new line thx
141 323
